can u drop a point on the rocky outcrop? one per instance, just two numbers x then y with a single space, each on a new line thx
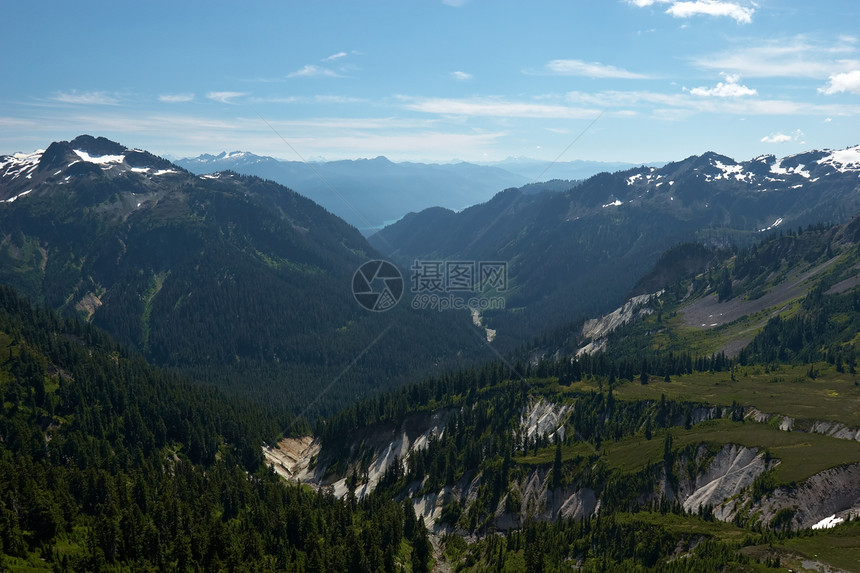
374 448
831 493
597 329
732 470
544 418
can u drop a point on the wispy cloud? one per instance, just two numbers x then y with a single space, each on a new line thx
86 98
793 57
674 105
225 97
322 98
730 88
343 137
590 69
687 9
844 82
312 70
492 107
334 57
176 98
461 76
783 137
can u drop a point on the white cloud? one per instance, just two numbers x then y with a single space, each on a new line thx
674 105
729 88
740 14
312 70
176 98
844 82
794 57
334 57
593 70
225 97
181 135
86 98
461 76
496 108
782 137
687 9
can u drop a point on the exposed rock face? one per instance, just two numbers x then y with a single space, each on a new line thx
543 418
381 445
291 456
833 492
731 471
835 430
722 483
597 329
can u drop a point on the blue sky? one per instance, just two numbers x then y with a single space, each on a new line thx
474 80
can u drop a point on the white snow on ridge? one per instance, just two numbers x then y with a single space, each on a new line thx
12 199
20 163
99 159
728 169
615 203
778 169
843 160
633 178
776 223
828 522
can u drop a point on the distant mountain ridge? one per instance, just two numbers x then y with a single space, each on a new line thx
369 193
541 170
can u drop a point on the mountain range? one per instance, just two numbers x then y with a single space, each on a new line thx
167 260
691 407
580 252
371 193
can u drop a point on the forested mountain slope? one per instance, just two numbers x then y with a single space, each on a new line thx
231 279
656 436
109 464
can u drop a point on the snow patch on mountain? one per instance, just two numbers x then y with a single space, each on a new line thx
99 159
843 160
20 163
728 170
776 223
828 522
12 199
778 169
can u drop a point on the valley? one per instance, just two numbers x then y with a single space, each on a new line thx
450 286
712 419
